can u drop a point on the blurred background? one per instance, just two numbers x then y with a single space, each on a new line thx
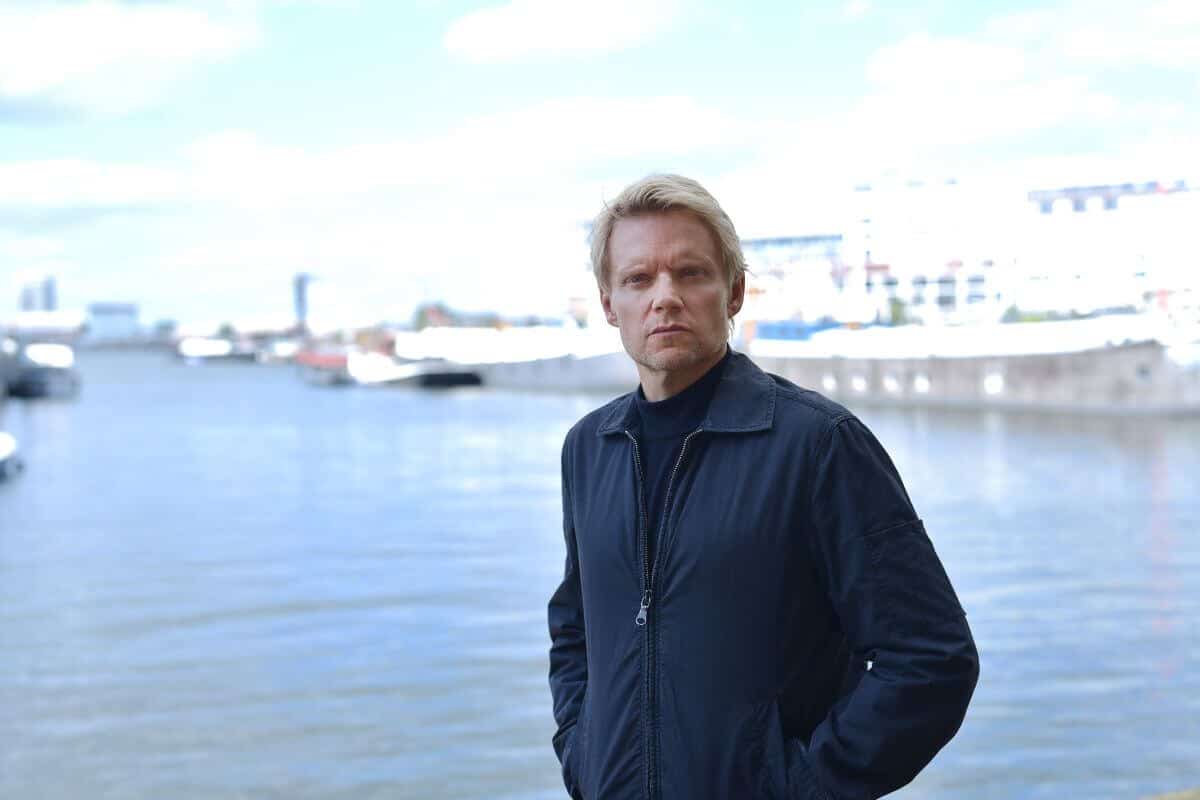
295 310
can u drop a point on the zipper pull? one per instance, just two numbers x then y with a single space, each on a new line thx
641 615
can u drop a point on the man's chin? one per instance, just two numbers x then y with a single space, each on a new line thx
672 359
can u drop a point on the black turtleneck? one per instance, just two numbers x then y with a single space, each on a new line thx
662 428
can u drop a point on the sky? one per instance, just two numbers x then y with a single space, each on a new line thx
192 155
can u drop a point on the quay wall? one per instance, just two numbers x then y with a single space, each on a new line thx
1132 378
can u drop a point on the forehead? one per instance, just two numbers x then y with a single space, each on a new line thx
662 236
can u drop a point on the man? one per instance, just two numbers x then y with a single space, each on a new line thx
750 606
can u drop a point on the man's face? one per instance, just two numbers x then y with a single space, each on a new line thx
668 294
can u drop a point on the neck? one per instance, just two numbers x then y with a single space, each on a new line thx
658 385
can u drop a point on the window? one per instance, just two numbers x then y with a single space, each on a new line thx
946 291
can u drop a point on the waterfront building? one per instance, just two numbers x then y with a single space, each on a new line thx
38 293
906 251
1096 247
113 323
947 252
793 276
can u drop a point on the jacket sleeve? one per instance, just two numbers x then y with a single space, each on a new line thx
568 647
902 621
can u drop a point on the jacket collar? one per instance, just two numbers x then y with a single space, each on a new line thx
744 402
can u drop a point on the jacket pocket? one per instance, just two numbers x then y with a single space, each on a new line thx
772 783
574 757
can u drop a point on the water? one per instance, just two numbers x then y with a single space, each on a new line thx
221 582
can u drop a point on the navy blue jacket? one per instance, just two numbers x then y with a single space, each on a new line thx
793 636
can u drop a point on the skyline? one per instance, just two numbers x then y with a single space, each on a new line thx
192 157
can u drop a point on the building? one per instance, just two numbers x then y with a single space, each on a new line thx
113 323
38 294
793 276
300 283
1109 246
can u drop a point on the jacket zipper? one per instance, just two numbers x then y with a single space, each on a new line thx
649 571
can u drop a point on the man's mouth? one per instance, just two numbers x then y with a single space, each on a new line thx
669 329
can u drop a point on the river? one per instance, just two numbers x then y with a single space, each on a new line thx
220 582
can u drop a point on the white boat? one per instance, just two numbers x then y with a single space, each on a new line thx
610 372
551 359
44 369
379 369
1116 364
539 358
347 365
201 349
10 457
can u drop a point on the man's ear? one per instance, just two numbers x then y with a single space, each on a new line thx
736 295
606 304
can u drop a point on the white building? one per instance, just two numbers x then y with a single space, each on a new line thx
113 323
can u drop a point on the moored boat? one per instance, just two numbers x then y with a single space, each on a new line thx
324 366
44 369
1104 365
10 457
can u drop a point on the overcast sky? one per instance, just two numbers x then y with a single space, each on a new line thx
192 155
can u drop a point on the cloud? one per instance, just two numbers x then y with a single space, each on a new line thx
534 152
30 247
523 29
71 183
33 111
923 60
931 92
543 146
455 215
50 195
106 56
855 10
1102 34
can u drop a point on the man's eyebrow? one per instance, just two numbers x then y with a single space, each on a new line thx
629 266
683 255
694 255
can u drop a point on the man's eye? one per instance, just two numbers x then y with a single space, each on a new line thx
638 278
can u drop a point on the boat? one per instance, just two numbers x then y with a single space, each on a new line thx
536 358
9 347
1112 364
352 366
323 366
369 368
201 349
44 369
611 372
10 457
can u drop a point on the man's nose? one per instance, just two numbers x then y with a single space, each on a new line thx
665 291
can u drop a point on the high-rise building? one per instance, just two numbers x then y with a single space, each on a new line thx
300 299
29 298
39 294
49 293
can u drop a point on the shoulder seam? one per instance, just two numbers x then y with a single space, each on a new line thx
797 395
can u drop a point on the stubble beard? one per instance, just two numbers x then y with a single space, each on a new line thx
674 359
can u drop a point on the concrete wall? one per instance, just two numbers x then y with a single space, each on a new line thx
1133 378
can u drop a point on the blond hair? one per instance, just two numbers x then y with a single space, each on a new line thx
657 194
